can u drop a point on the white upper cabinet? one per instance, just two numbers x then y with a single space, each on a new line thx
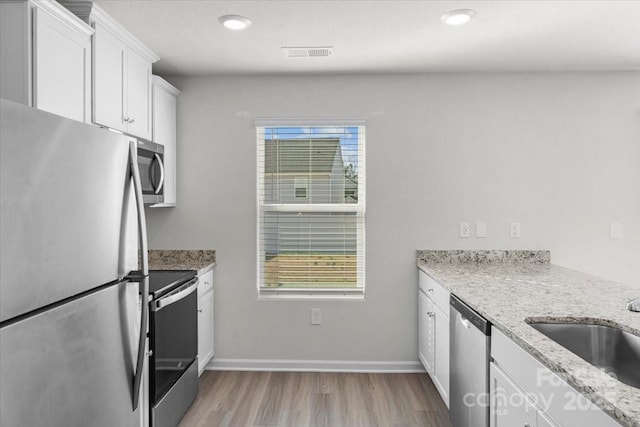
121 73
165 98
45 58
110 61
139 109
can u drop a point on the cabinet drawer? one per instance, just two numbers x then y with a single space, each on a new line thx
434 290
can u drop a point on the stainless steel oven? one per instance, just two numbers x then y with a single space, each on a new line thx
173 341
151 165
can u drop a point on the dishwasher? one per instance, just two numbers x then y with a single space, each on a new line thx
469 370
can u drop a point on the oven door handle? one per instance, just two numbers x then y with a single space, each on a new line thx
179 294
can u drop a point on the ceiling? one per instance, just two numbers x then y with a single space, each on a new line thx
393 36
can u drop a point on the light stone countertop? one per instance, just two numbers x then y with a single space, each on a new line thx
178 259
507 287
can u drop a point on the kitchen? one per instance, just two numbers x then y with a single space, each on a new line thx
486 132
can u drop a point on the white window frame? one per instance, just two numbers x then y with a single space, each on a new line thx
357 293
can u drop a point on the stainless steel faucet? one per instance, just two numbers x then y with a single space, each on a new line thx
634 305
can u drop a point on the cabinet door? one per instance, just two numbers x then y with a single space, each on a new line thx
205 330
422 329
425 333
509 406
553 395
441 323
15 52
544 421
138 93
109 66
62 65
164 132
431 337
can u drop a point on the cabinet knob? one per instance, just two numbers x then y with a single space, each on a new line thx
131 121
431 314
527 425
199 310
149 353
429 290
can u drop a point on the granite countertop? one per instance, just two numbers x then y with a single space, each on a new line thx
177 259
507 287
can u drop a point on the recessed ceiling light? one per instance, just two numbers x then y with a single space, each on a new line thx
458 16
235 22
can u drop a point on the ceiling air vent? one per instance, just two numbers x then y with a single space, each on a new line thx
307 52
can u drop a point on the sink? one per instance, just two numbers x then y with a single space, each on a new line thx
614 351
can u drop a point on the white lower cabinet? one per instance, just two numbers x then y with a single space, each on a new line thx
543 420
205 319
433 332
524 392
441 374
509 406
426 333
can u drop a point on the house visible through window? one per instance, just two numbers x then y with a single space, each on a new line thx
300 186
311 210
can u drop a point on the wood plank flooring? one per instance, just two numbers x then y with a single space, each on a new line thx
301 399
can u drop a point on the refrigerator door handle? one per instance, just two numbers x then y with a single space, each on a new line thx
144 283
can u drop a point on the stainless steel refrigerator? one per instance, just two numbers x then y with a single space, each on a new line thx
72 322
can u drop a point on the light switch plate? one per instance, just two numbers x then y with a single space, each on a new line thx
514 230
316 316
615 231
481 229
464 229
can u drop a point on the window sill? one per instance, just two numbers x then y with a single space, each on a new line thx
278 294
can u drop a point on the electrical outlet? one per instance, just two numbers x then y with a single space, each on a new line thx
514 230
615 231
481 229
464 229
316 316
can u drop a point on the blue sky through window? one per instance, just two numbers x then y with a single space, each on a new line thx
348 136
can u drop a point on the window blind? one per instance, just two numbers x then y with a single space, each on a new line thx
311 209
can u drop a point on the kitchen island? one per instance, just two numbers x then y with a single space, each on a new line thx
510 288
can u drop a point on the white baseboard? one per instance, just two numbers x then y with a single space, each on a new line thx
313 365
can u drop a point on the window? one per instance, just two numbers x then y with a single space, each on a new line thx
311 206
301 185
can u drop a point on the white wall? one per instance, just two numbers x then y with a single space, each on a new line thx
559 153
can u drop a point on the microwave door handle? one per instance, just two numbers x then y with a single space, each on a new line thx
161 183
173 298
144 283
152 166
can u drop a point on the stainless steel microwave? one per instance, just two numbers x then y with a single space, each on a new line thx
151 165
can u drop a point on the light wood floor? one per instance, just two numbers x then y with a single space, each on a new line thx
294 399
